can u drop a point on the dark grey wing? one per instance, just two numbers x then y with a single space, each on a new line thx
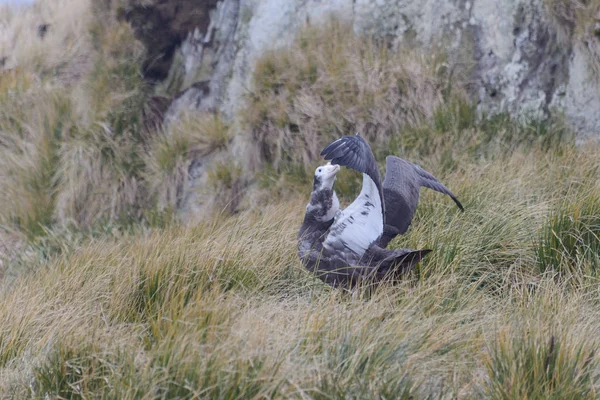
431 182
354 152
401 196
401 187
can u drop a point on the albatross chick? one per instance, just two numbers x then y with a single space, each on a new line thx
345 247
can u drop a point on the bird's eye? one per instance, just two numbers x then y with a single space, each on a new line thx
319 170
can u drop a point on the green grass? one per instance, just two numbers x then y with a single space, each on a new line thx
110 295
226 310
331 82
78 154
530 367
570 238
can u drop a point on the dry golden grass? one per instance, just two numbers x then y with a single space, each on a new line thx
110 298
331 82
172 152
224 309
71 149
62 49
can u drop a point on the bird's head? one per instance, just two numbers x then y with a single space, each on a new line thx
325 176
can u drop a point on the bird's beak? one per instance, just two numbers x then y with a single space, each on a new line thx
334 165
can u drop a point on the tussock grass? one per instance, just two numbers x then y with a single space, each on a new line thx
122 301
224 309
78 153
331 82
70 148
171 154
30 133
572 234
58 50
100 162
529 367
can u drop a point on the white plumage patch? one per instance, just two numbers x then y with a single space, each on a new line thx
360 224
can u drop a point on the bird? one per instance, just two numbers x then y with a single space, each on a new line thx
347 247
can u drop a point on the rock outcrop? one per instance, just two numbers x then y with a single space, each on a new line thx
519 58
523 61
163 26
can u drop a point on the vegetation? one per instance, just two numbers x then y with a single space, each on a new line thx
331 82
578 15
580 22
106 293
75 148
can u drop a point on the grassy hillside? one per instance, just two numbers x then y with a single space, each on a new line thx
106 293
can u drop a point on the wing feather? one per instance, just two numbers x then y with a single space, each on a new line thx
354 152
431 182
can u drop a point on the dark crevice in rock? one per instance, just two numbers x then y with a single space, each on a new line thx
42 30
203 88
547 60
163 26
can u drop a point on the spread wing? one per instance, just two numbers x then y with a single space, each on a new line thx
401 186
354 152
401 196
358 226
431 182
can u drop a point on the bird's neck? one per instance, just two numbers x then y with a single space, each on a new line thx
323 205
319 215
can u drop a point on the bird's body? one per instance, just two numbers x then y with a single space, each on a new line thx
346 247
